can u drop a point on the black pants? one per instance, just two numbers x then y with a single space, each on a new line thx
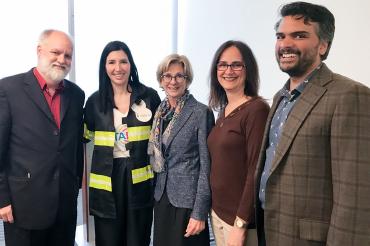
61 233
132 227
261 227
170 225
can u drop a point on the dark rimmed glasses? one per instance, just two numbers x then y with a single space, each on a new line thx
235 66
179 78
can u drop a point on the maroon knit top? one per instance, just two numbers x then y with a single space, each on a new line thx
234 144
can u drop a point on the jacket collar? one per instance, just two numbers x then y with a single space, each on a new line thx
312 93
185 113
33 90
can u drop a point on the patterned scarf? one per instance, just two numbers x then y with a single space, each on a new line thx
157 138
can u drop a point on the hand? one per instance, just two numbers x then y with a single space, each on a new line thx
194 227
236 237
6 214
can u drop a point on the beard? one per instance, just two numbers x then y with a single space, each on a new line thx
53 71
301 66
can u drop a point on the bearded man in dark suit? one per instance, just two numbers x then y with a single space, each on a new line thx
41 158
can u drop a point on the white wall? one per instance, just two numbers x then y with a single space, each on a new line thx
203 26
145 26
21 23
206 24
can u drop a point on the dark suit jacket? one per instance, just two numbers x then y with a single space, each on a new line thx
186 175
40 165
318 191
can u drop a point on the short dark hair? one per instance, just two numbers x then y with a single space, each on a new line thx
217 98
105 87
312 13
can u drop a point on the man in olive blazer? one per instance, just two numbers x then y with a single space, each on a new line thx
313 174
41 158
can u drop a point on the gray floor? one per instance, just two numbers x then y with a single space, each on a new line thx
2 242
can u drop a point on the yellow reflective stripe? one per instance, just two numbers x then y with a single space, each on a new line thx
87 133
142 174
138 133
104 138
100 182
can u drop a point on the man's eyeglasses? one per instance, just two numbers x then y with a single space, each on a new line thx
179 78
235 66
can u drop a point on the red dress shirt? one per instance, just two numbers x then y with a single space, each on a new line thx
53 100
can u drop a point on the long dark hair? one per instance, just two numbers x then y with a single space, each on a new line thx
105 86
217 98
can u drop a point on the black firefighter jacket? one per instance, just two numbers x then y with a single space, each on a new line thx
99 127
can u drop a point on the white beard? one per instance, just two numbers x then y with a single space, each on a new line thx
52 73
57 75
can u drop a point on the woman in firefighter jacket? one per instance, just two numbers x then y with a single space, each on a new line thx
118 119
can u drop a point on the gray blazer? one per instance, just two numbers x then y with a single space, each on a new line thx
187 165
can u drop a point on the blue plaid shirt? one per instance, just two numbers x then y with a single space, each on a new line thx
288 100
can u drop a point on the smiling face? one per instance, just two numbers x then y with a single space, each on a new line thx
54 57
118 68
231 80
298 47
174 89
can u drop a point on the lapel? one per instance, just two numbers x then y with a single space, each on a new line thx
185 113
64 100
33 90
307 100
262 157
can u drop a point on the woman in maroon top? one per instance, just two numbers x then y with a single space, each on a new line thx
234 142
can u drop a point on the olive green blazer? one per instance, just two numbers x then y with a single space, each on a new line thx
318 191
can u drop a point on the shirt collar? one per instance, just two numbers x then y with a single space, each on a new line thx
42 82
291 95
